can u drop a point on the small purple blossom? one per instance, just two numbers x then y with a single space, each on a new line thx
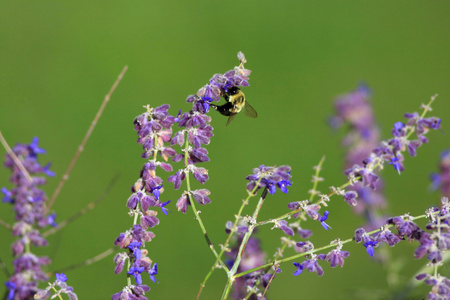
11 286
323 219
370 247
34 149
8 196
304 233
312 211
282 224
299 269
350 197
336 257
135 248
136 272
304 246
183 203
162 205
61 277
51 220
395 162
201 196
156 191
153 272
388 237
177 179
313 266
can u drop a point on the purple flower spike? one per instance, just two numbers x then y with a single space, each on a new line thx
30 216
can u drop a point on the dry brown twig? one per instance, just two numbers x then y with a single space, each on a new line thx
86 138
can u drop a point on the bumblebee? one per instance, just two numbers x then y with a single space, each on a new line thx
235 103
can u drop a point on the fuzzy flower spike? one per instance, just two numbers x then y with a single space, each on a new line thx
31 216
154 129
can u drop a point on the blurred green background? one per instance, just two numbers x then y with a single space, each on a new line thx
58 59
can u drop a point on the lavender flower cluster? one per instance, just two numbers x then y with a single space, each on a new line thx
154 128
155 133
433 242
248 269
355 110
31 216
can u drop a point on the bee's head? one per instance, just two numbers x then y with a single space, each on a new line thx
233 90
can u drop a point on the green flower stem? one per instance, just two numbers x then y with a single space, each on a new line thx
197 215
316 175
225 245
245 239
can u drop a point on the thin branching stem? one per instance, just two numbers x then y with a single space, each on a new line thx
65 177
243 245
81 212
87 262
196 212
226 244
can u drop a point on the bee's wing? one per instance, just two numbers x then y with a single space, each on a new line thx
249 110
230 118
